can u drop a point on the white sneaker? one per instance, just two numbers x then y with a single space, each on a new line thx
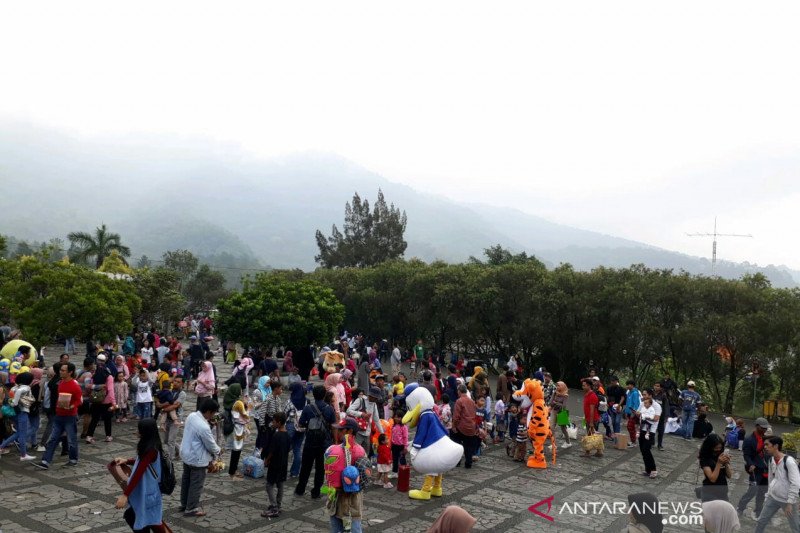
41 449
631 445
27 458
566 445
751 514
392 475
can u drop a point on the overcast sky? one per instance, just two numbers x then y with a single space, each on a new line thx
636 119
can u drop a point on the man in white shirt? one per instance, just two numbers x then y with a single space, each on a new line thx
784 486
396 359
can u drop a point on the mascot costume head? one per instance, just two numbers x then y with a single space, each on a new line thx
331 359
532 398
432 452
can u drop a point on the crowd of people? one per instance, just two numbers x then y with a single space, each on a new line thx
352 404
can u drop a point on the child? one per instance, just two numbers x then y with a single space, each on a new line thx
121 391
164 398
480 414
521 448
384 462
445 413
144 395
740 430
277 463
500 419
399 441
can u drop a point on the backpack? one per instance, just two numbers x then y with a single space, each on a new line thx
732 439
167 482
227 422
786 468
317 430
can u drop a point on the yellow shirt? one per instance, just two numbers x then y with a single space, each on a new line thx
398 388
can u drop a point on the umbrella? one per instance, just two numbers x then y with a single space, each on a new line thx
11 348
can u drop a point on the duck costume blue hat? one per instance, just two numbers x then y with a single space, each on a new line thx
432 452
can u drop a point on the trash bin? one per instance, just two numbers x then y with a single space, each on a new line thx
784 408
769 408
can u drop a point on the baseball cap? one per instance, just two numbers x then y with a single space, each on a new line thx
763 422
690 383
101 357
596 378
347 423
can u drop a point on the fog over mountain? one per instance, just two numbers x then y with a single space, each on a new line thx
161 193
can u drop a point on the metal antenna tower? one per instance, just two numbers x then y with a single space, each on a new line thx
714 247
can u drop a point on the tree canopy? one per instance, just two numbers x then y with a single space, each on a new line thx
99 245
275 310
369 238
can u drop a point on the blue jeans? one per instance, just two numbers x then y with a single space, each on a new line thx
69 345
296 438
337 525
60 425
33 429
143 410
21 436
616 420
687 422
770 508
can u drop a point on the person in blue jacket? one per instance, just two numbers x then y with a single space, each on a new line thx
143 495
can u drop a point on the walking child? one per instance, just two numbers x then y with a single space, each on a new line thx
277 463
384 462
121 391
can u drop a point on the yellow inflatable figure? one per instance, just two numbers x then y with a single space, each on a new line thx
538 421
330 360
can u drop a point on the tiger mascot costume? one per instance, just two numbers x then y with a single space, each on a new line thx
532 398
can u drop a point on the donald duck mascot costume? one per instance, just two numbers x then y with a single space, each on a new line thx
432 452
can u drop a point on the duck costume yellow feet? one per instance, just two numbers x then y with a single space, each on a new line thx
432 452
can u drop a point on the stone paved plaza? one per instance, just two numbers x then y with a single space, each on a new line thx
497 491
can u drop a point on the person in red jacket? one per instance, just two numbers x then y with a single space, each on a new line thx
69 398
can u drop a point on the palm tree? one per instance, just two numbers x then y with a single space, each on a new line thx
99 245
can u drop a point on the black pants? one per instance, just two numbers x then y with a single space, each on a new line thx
470 444
645 446
397 451
757 488
662 422
313 456
130 518
98 411
235 454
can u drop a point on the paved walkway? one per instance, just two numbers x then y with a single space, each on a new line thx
497 491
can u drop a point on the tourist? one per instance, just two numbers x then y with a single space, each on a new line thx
143 495
615 397
660 397
720 516
297 398
316 419
591 416
198 449
277 462
146 353
399 442
557 405
396 359
716 467
333 383
649 413
103 399
384 462
632 400
756 466
66 417
688 399
347 503
172 424
236 410
784 486
366 408
144 395
453 519
49 407
362 380
644 515
196 356
22 400
38 390
464 430
205 384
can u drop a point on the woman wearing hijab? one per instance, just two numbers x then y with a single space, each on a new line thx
453 519
333 383
720 516
205 384
363 375
348 390
237 411
143 495
288 363
643 516
102 384
119 362
260 395
297 397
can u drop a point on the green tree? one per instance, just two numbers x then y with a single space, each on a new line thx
274 311
114 264
46 300
184 263
100 245
370 237
162 303
144 262
205 289
23 249
3 246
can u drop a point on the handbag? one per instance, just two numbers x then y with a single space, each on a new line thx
562 418
572 431
98 395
